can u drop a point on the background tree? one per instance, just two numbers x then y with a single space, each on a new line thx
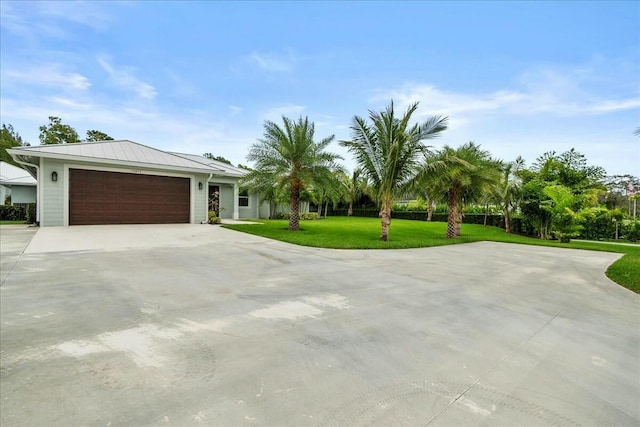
57 133
289 157
96 135
354 187
269 190
218 158
389 150
9 138
508 190
467 175
563 205
329 189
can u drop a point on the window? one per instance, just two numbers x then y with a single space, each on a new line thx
243 198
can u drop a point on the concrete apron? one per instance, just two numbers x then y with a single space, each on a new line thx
177 325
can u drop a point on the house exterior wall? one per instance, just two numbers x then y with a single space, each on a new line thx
55 195
23 194
228 204
200 197
226 200
52 203
4 193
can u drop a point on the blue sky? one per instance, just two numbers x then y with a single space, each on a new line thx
519 78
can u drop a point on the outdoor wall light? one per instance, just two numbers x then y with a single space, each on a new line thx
54 176
200 186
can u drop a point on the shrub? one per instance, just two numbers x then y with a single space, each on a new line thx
31 213
599 223
303 215
631 231
213 218
12 213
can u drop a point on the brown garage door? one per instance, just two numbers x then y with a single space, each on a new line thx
97 197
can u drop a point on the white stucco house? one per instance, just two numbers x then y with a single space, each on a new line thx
17 183
123 182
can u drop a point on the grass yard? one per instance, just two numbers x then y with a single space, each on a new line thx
7 222
363 233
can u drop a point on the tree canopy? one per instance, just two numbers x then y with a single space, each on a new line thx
9 138
57 133
96 135
218 158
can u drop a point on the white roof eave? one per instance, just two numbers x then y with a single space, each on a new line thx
87 159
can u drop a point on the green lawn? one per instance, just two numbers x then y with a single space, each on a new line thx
363 233
7 222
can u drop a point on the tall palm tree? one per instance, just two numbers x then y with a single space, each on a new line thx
289 156
389 151
467 174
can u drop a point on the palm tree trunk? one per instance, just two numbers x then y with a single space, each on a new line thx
453 215
507 220
385 215
350 210
486 213
294 215
326 208
429 209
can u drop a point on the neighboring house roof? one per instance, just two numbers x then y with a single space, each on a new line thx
227 168
122 152
13 175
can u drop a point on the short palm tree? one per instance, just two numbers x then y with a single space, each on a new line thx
288 156
354 187
466 175
508 189
327 189
389 151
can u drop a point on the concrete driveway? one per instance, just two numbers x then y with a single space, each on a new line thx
196 324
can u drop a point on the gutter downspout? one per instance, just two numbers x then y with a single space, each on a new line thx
38 204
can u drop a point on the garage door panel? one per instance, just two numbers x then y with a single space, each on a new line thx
99 197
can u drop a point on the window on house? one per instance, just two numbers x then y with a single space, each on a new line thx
243 198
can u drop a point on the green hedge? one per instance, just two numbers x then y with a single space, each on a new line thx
31 213
492 220
12 213
303 215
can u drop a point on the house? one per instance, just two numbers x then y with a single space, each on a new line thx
17 183
123 182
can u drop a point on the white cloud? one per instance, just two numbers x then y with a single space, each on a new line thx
88 13
49 75
545 100
55 19
274 114
125 79
272 62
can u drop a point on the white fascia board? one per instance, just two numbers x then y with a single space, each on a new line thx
85 159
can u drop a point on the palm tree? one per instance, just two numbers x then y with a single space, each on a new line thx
389 151
508 189
328 188
268 190
289 157
354 187
466 175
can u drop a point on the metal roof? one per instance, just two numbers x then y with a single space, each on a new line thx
227 168
13 175
119 152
